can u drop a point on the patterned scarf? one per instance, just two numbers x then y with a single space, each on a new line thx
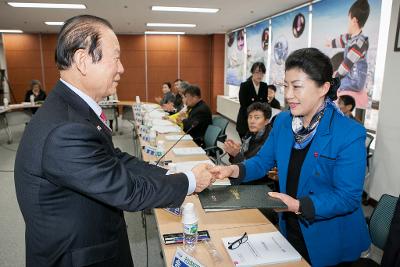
304 135
247 138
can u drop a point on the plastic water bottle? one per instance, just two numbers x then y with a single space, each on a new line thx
160 151
32 98
152 137
190 227
5 102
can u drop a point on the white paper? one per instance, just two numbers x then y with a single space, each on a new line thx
261 249
188 151
167 129
176 137
158 122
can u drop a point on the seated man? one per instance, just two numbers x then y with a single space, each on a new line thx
272 101
198 115
259 129
347 104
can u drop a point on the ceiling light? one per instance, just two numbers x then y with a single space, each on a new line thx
47 5
54 23
185 9
11 31
183 25
157 32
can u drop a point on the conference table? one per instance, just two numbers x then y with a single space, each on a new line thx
15 114
219 224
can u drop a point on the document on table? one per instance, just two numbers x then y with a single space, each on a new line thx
158 122
175 137
167 129
261 249
188 151
156 114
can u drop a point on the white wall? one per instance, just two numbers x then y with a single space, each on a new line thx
385 172
3 66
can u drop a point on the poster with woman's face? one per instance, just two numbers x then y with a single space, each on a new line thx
289 32
257 42
235 57
351 46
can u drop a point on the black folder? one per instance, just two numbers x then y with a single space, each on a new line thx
239 197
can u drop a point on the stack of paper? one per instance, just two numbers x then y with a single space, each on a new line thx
188 151
167 129
159 122
261 249
156 114
176 137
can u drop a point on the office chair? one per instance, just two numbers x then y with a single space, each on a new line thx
368 142
210 143
379 225
222 123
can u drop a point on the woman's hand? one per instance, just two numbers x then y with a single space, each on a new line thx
292 203
222 172
231 147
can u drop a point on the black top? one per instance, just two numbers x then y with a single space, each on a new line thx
40 97
275 103
178 103
294 234
202 114
247 96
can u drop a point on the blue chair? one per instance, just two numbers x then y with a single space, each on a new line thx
379 225
222 123
210 143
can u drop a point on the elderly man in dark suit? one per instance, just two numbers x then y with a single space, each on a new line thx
72 184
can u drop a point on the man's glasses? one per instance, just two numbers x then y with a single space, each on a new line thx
237 243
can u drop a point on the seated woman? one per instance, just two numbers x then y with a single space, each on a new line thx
166 102
37 92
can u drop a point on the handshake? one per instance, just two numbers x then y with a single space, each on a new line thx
206 174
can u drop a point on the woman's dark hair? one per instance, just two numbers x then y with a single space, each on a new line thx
360 10
79 32
258 65
348 100
316 65
35 82
263 107
193 90
168 84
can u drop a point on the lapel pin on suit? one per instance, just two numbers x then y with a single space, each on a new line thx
98 128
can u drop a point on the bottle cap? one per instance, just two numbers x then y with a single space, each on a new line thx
189 215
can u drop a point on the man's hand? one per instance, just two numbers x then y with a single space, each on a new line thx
231 147
222 172
203 176
292 203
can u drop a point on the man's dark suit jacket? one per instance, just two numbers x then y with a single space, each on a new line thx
247 96
202 114
72 186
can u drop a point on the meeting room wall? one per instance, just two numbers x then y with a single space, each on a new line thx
148 61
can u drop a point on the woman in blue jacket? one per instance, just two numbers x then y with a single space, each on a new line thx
321 159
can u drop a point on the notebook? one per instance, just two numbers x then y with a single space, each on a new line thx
239 197
261 249
176 137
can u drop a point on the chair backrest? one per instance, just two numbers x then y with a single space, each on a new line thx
368 141
220 122
381 218
211 136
